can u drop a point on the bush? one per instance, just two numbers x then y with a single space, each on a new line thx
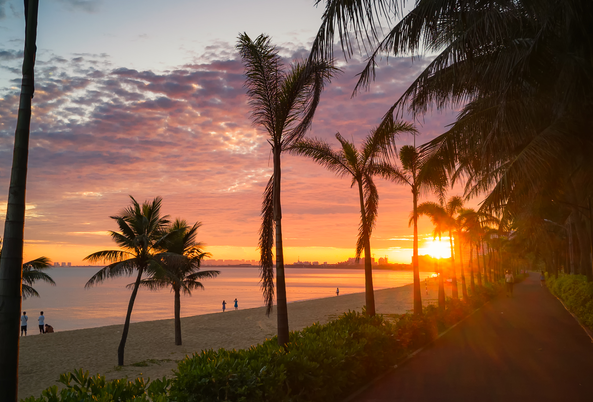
576 293
82 387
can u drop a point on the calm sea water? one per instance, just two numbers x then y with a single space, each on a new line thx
68 305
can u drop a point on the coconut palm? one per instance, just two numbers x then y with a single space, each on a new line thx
142 234
361 165
419 177
178 267
283 102
14 224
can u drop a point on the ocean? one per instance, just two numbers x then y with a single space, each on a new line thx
68 305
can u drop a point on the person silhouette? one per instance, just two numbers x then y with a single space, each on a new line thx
337 291
223 306
24 320
236 304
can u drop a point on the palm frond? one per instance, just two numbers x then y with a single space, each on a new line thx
120 268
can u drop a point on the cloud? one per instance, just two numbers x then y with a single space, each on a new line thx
89 6
101 133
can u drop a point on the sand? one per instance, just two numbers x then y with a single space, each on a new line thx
150 349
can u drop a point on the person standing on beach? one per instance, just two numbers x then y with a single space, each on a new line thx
24 320
509 280
41 320
223 306
236 304
337 291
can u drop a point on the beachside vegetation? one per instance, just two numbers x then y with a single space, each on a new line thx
360 165
320 363
576 293
142 235
178 266
283 102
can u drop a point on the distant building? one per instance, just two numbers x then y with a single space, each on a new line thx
384 260
69 264
56 264
63 264
315 263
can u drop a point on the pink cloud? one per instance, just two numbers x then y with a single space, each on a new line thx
99 134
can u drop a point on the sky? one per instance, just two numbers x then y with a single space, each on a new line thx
146 98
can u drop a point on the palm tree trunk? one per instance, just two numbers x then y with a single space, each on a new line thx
487 277
417 293
177 317
471 269
124 334
441 286
478 262
463 286
455 290
368 269
282 308
14 227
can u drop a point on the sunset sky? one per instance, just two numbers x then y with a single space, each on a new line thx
146 98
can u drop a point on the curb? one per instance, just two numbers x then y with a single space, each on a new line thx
587 330
409 357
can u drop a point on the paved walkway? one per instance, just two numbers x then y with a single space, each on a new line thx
525 348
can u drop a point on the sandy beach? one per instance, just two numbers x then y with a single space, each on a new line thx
151 351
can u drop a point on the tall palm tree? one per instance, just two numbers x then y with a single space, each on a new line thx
178 267
361 165
283 102
14 225
142 234
418 177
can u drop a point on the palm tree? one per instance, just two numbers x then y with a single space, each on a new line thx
361 165
14 225
418 176
178 267
283 103
142 234
447 217
522 70
33 272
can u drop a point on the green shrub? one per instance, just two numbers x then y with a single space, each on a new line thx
576 293
82 387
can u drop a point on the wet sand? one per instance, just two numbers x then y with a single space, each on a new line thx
150 349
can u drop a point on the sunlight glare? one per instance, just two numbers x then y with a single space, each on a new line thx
437 249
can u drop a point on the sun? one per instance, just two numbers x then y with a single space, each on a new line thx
437 249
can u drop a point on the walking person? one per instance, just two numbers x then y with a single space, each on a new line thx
509 280
236 304
41 320
24 320
337 291
223 306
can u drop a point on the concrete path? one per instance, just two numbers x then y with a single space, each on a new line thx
525 348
